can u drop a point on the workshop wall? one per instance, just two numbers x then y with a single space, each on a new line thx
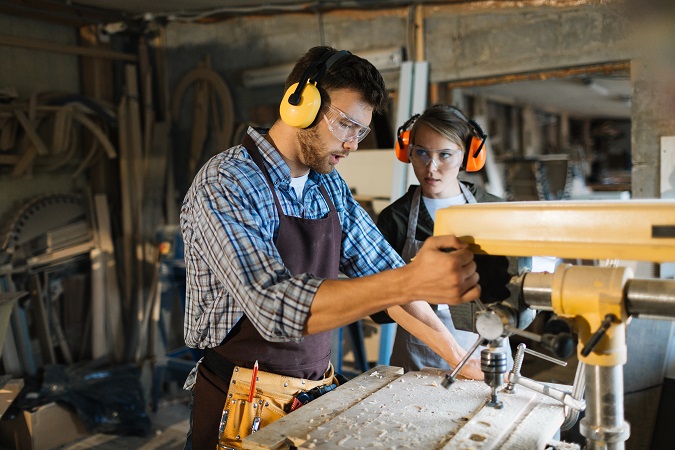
25 72
464 42
31 71
460 42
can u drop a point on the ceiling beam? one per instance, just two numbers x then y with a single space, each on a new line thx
605 68
60 12
35 44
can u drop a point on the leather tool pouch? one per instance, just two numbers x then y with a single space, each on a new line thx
272 398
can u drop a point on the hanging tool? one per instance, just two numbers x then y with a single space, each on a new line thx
211 98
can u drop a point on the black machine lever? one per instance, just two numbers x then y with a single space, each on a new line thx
561 345
599 334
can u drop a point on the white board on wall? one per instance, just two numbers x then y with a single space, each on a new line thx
370 173
668 191
668 187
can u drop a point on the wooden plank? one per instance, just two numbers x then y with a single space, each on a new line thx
414 411
8 393
531 417
158 44
296 426
17 356
59 255
26 159
145 76
35 44
602 68
136 182
9 160
63 121
546 417
126 188
113 309
41 322
40 146
100 346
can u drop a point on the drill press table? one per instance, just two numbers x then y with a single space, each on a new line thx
383 408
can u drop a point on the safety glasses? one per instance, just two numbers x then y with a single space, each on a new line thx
344 127
442 159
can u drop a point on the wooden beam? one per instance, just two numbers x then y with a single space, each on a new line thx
35 44
419 33
9 160
40 146
70 13
111 309
606 68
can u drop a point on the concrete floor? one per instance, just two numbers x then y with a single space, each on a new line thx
169 427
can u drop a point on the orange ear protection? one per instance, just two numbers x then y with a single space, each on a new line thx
403 139
474 156
302 101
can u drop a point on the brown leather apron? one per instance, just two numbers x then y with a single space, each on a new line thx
305 246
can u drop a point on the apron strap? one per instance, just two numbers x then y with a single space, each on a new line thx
410 248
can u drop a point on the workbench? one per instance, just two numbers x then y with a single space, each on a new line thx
384 408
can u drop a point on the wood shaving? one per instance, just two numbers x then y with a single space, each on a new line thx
343 440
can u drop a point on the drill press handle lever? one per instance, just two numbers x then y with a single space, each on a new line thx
595 338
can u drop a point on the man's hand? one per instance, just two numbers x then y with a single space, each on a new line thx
443 272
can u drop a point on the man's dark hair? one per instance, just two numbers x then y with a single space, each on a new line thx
348 72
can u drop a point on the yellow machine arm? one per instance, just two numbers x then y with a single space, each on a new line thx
598 299
639 230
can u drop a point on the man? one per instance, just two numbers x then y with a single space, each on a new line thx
267 226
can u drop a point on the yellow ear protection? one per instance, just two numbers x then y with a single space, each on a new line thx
302 101
474 156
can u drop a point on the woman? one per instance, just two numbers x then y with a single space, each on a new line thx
436 149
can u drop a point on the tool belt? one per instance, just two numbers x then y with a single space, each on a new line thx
273 398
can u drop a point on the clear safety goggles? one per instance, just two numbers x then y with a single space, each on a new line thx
442 159
343 127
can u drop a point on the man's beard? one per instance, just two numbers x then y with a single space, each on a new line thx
313 153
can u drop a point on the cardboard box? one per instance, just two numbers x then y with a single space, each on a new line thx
42 428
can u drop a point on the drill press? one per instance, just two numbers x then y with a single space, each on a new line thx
597 300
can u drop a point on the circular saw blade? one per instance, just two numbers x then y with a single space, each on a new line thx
39 215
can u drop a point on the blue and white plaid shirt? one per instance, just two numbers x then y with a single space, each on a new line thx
229 222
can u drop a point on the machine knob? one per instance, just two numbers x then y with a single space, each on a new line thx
562 345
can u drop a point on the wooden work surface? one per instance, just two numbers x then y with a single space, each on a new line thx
383 408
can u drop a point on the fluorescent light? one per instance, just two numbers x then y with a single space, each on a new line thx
383 60
600 89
